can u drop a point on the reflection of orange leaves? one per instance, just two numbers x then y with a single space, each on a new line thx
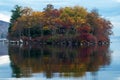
61 59
102 49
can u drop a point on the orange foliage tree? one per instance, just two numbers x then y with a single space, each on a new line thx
68 22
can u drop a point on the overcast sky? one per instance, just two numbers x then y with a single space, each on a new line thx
109 9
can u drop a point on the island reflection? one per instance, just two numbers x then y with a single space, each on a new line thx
50 60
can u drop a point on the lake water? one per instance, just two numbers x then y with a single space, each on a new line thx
35 62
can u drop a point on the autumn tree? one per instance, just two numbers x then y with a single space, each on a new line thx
101 28
65 24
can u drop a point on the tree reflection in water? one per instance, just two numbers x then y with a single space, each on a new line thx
66 61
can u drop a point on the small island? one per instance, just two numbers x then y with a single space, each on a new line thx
64 26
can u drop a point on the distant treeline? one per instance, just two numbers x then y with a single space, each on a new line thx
68 24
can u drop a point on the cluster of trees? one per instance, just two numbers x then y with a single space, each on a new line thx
67 61
57 25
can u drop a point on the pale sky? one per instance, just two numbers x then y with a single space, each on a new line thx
109 9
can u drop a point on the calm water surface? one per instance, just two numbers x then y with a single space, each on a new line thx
36 62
